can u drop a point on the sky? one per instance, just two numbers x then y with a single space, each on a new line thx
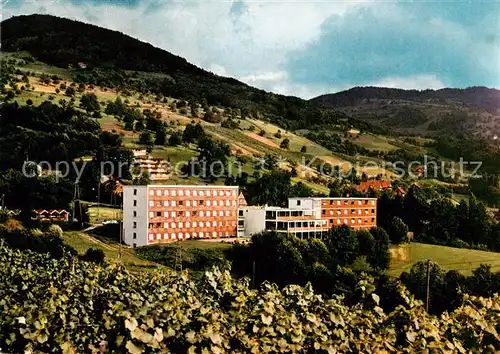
307 48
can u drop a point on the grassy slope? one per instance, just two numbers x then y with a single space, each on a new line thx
81 242
463 260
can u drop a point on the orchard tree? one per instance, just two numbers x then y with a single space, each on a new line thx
90 103
398 231
285 144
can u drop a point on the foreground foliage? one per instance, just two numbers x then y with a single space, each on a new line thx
71 306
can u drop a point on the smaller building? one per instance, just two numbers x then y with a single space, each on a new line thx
82 65
52 215
157 168
353 133
376 185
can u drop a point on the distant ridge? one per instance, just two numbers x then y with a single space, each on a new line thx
478 96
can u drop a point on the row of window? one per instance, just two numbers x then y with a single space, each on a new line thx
188 203
346 202
187 224
187 235
353 221
194 193
187 213
346 211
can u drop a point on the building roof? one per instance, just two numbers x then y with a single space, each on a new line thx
181 186
332 198
353 131
375 185
51 211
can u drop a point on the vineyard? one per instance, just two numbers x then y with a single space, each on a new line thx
71 306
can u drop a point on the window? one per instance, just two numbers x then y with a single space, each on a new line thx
208 193
179 225
165 203
173 203
165 236
215 203
214 234
353 221
158 213
188 224
221 213
135 191
158 236
135 235
180 235
135 225
166 192
188 203
240 213
338 221
345 221
195 193
323 212
151 203
208 224
165 225
195 224
134 245
181 193
201 213
201 224
151 214
188 193
173 235
298 202
201 234
331 212
208 202
181 203
135 214
234 193
165 214
345 211
209 213
158 193
359 202
188 235
227 203
201 202
195 234
174 214
159 203
338 202
221 193
151 192
135 202
228 213
188 214
202 194
195 213
195 203
234 202
172 225
174 193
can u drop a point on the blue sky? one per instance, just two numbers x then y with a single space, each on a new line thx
306 48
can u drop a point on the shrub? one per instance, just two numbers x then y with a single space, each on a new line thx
55 231
93 255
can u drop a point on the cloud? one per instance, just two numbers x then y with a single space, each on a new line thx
309 48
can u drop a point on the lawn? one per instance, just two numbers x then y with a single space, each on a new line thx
199 244
460 259
374 142
100 214
81 242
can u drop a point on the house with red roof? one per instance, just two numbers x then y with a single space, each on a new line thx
375 185
52 214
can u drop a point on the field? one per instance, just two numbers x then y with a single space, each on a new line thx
81 242
98 215
463 260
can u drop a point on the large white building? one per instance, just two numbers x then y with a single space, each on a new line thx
166 213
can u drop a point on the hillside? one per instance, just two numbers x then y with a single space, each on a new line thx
428 111
113 59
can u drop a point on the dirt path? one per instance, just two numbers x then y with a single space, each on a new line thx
262 139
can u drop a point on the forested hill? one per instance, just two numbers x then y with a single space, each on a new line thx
110 55
477 97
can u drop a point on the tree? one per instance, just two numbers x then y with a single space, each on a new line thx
160 136
342 244
380 257
192 133
146 138
285 144
90 103
366 242
29 102
278 134
398 231
303 149
70 91
175 139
